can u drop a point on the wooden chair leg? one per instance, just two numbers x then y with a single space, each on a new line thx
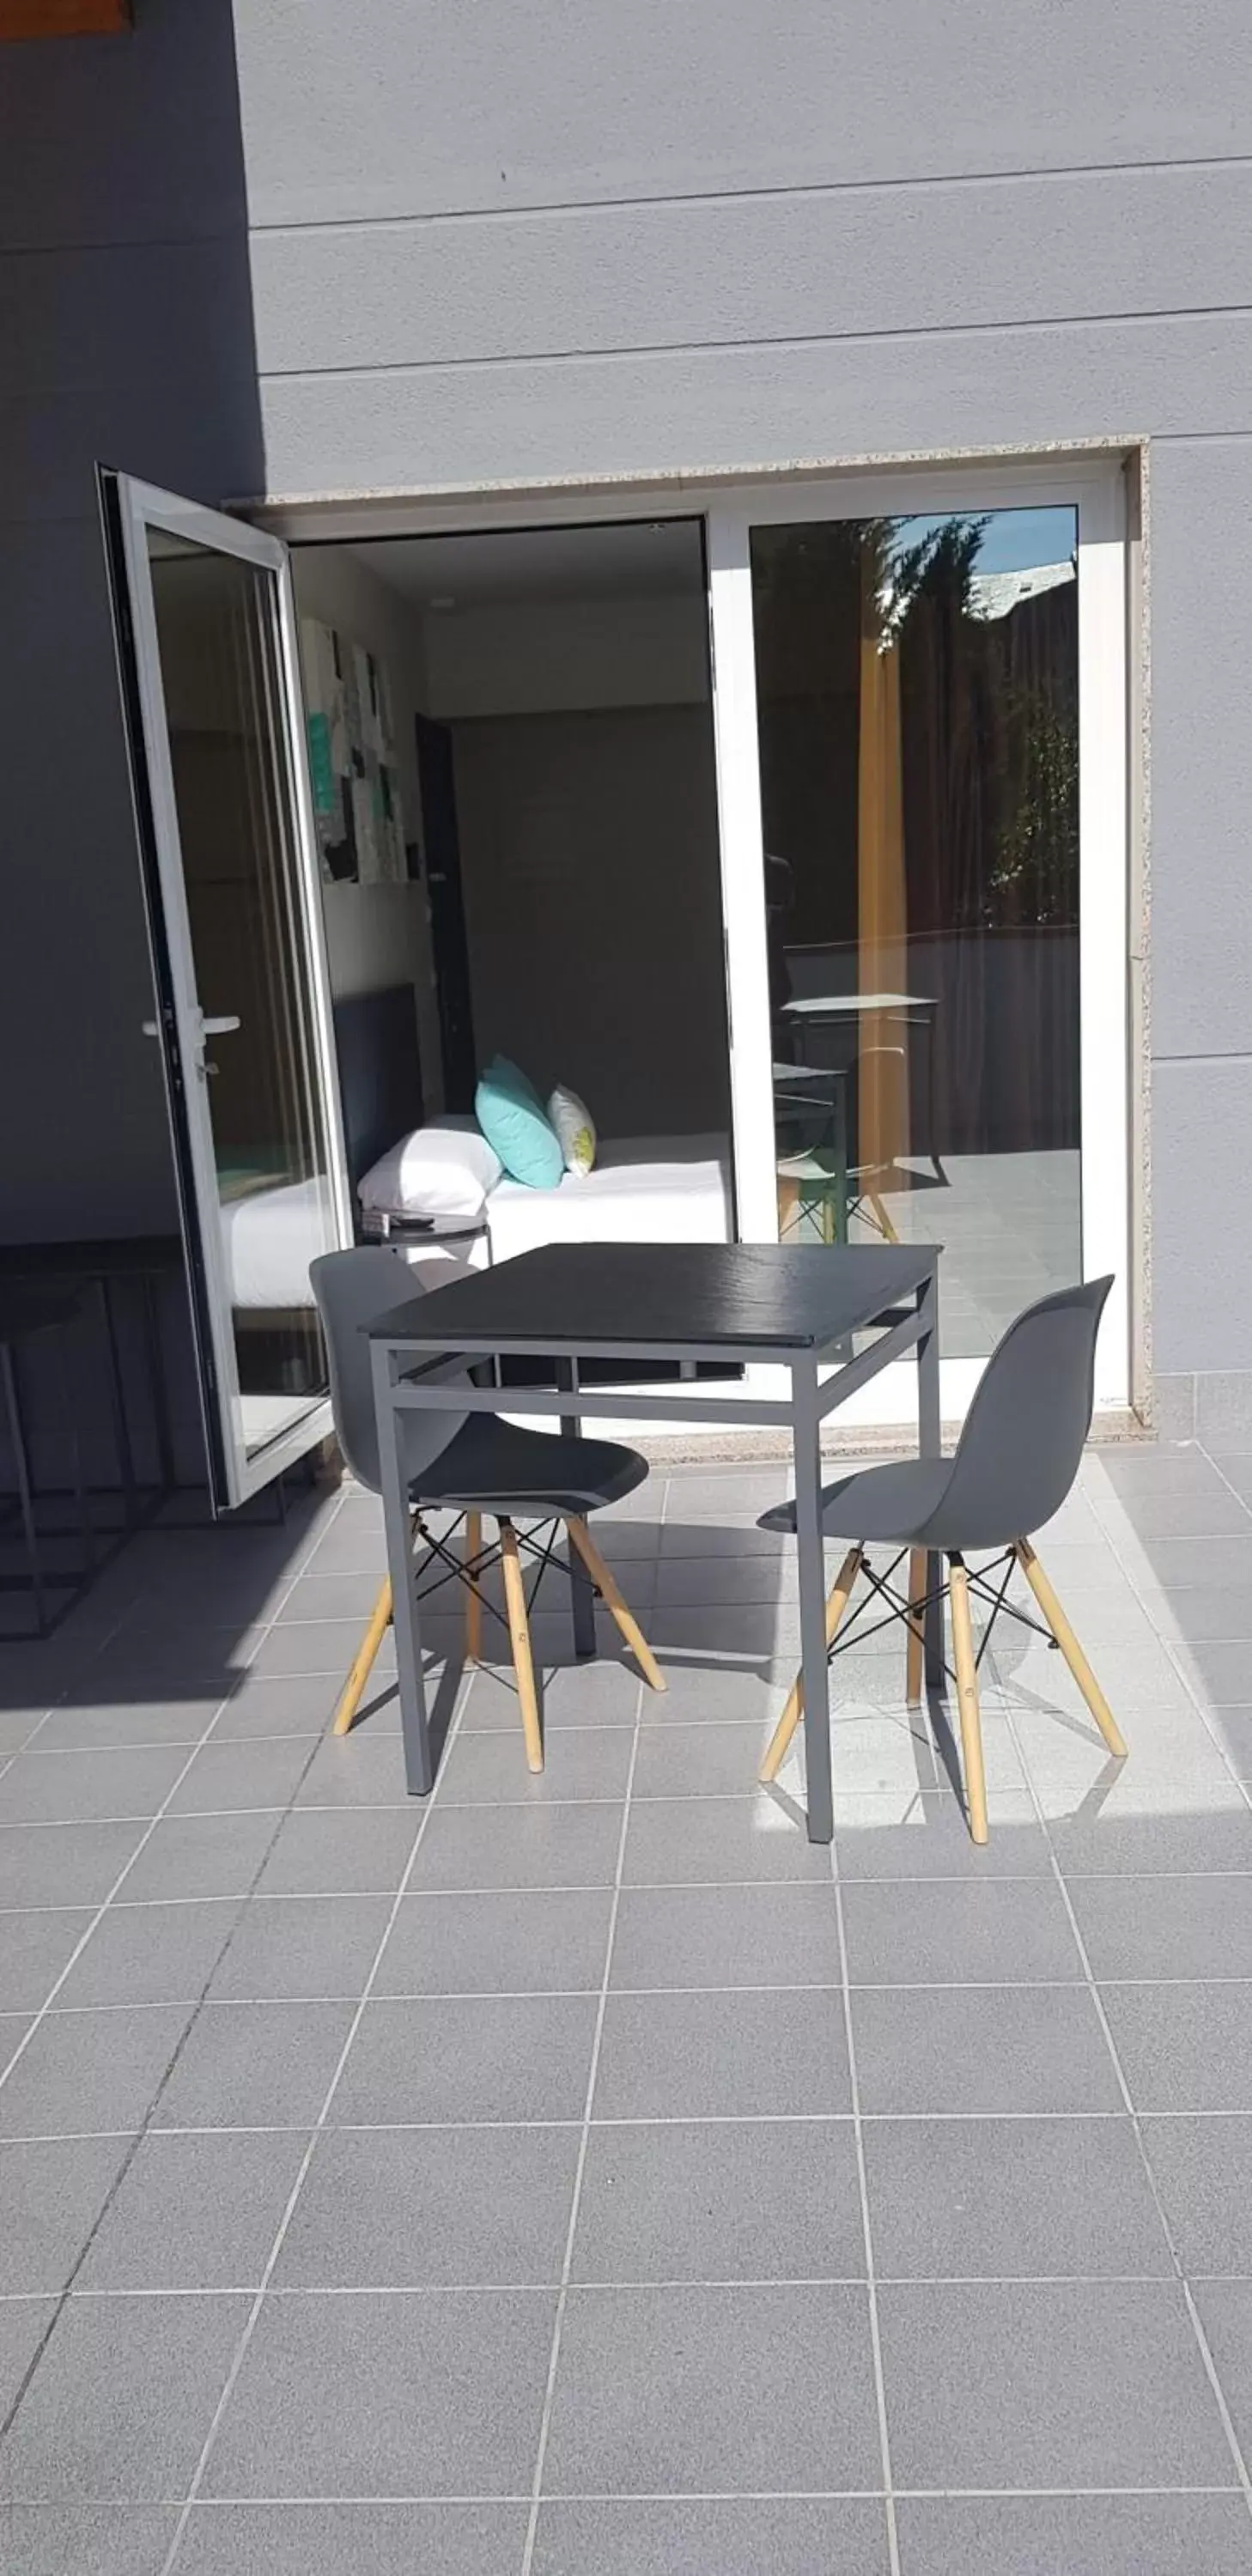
917 1625
776 1753
628 1625
519 1634
788 1207
350 1697
473 1601
1070 1648
967 1691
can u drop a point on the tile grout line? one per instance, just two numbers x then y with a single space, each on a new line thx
1243 1788
550 1994
48 2009
1207 2362
580 2164
319 2129
227 2504
618 2120
875 2334
1220 1472
105 1639
99 1912
641 2285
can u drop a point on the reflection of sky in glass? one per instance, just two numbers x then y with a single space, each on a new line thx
1012 541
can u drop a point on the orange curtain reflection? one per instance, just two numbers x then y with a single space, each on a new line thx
882 902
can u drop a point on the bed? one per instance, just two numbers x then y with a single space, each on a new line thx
271 1232
271 1235
643 1189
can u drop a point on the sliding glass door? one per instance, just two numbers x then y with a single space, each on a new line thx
922 741
207 660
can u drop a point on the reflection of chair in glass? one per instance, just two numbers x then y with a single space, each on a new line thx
811 1145
884 1044
1015 1462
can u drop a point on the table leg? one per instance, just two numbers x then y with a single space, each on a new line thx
930 1445
811 1570
582 1590
86 1532
17 1442
117 1398
418 1769
841 1151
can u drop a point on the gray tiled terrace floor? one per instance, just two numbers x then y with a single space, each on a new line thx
585 2174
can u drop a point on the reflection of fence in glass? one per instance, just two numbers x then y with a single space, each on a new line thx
958 759
918 693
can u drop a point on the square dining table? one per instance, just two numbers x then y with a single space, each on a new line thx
791 1308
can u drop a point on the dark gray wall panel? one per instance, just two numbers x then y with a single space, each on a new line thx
1202 748
125 334
401 106
169 314
863 260
701 410
195 432
84 1127
1201 1229
123 138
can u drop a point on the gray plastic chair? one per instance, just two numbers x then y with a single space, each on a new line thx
1014 1464
470 1464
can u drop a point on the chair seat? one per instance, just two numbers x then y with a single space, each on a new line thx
818 1164
893 1505
493 1466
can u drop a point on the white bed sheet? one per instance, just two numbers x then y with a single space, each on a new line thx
271 1237
643 1189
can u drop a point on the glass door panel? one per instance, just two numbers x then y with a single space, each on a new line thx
917 712
233 905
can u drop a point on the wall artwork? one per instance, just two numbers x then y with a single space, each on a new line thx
352 763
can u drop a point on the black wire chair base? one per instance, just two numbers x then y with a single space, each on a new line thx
901 1610
469 1571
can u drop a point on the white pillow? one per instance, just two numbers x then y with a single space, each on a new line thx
575 1130
443 1171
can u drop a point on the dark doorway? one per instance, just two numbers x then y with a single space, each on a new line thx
447 912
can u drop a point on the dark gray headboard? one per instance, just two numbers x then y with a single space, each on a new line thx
380 1076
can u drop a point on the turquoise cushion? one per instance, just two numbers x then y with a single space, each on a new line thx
514 1121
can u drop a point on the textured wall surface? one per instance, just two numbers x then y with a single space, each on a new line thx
598 240
518 240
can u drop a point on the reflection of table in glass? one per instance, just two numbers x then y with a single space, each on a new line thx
806 1013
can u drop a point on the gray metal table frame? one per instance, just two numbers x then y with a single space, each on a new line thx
411 1373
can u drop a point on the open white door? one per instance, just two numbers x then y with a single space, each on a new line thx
206 643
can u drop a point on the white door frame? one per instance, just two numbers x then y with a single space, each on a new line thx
233 1474
1089 478
1097 493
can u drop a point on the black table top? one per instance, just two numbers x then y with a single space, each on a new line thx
656 1297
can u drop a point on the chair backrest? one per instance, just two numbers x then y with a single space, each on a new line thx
1019 1451
351 1289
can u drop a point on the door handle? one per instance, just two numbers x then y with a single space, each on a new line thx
218 1028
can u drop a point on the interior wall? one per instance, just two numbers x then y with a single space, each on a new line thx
529 658
378 935
589 855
